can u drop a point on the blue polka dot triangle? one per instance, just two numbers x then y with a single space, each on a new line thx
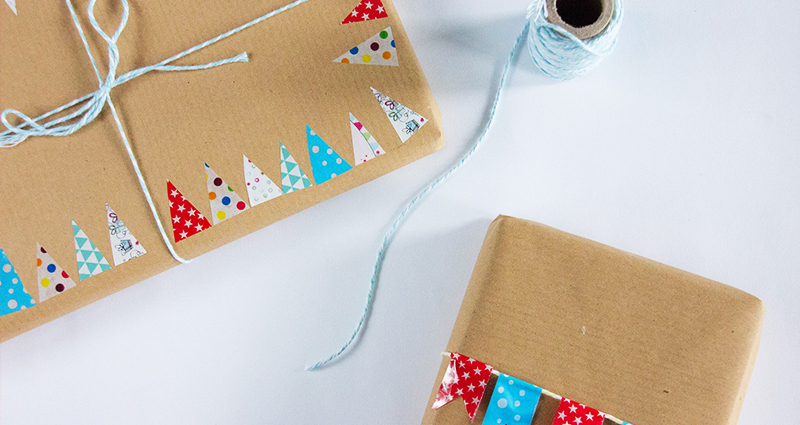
53 280
325 162
293 178
405 121
13 296
379 49
225 203
513 402
91 261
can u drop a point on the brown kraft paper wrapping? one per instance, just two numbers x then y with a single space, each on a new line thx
176 121
645 342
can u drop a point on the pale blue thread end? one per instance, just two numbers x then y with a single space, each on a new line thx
412 204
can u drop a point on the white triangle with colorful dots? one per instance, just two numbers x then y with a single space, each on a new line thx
225 203
379 49
53 280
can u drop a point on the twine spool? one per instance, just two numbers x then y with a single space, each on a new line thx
582 18
569 38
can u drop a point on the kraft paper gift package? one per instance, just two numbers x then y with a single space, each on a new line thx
328 97
331 97
607 331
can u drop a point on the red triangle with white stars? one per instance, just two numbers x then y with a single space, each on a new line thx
466 378
186 219
367 10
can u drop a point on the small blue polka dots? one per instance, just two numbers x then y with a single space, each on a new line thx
13 296
325 162
513 402
226 201
353 51
51 268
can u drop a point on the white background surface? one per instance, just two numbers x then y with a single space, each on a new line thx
681 147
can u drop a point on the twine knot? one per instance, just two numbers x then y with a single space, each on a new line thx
92 104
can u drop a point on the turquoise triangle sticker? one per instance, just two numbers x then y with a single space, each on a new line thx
13 296
87 254
325 162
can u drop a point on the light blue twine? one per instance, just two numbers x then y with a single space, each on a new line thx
93 103
558 54
405 212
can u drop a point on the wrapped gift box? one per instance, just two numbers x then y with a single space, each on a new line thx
305 72
645 342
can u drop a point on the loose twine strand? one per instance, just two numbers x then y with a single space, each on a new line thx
559 54
413 203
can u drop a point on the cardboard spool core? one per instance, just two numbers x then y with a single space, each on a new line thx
583 18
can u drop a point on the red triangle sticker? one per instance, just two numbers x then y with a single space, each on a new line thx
367 10
186 219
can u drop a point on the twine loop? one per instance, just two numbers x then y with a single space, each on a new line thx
93 103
